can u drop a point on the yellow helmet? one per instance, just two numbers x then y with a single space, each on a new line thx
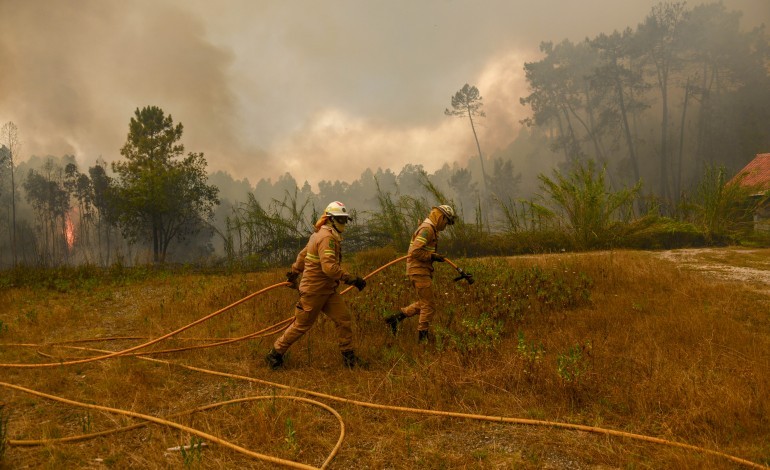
336 209
448 212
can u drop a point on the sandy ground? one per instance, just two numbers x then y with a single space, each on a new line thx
729 264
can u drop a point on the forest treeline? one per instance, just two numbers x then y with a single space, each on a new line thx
631 141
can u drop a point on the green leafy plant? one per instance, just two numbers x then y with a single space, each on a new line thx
475 335
530 352
723 208
592 212
573 365
291 435
532 290
192 454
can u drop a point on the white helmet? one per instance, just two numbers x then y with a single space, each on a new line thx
336 209
448 212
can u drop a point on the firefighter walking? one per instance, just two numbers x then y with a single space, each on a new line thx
319 263
419 267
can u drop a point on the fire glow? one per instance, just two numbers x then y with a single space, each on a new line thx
69 232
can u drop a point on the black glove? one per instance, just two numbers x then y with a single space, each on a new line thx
359 282
436 257
291 277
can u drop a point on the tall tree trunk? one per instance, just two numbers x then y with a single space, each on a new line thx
483 171
626 126
678 185
664 189
13 217
155 243
574 146
478 147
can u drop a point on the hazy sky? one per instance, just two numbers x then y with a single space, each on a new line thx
322 89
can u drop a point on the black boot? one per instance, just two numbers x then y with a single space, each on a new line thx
274 359
352 361
393 320
422 336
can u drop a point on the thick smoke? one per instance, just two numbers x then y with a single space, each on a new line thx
322 90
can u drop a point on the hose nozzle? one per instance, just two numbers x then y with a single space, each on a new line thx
463 275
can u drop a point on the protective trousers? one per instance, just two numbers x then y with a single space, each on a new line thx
306 314
424 305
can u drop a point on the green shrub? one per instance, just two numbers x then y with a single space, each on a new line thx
573 365
530 353
664 233
474 335
514 293
588 208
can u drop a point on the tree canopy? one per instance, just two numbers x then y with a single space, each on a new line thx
160 195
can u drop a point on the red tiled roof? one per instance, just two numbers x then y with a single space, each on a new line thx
756 173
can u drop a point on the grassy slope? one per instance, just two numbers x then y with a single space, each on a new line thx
657 350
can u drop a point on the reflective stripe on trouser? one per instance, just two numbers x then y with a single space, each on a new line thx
424 305
306 314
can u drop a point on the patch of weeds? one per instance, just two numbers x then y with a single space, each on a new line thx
5 416
480 455
536 413
475 335
291 436
61 279
413 433
86 423
192 454
531 354
510 294
763 460
226 389
30 315
573 365
391 354
572 368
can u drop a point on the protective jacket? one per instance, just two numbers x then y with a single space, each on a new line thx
319 263
424 243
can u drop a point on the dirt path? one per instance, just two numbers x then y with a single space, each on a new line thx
750 266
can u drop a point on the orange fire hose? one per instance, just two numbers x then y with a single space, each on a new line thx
499 419
201 434
149 343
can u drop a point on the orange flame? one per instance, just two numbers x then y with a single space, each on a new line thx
69 232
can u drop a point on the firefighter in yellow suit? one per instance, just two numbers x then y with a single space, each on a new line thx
419 267
319 264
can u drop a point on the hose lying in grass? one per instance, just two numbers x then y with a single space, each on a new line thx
203 435
131 352
283 323
499 419
452 414
269 331
148 343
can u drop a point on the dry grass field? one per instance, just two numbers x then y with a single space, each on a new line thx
640 342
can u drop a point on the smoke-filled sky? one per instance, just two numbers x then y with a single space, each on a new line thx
320 89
